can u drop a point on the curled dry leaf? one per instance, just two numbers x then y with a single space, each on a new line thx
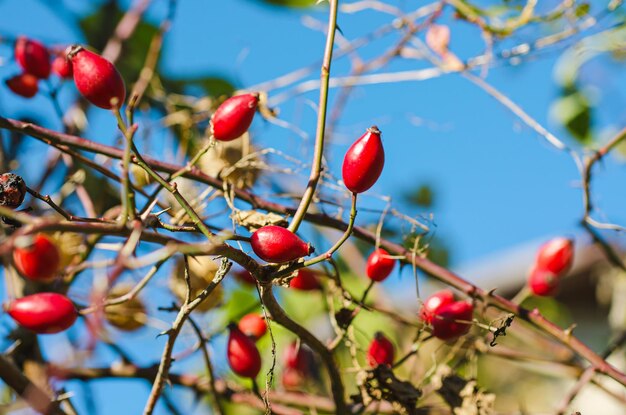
438 38
232 161
253 220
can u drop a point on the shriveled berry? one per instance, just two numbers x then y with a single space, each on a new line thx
276 244
364 161
38 258
97 79
62 67
253 325
543 283
243 356
449 321
43 313
234 116
556 256
12 190
380 351
33 57
24 85
432 304
379 265
305 280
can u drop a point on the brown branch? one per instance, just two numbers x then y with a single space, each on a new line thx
280 317
31 393
442 274
172 334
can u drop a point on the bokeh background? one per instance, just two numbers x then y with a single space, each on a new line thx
490 188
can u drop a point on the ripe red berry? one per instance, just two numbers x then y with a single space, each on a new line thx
556 256
276 244
24 85
243 356
62 67
379 265
33 57
43 313
432 304
12 190
381 351
253 325
292 379
298 357
97 79
245 277
543 283
364 161
39 260
449 320
234 116
305 280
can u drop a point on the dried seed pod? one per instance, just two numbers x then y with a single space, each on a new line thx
127 316
202 270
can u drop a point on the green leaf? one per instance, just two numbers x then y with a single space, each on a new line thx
213 85
290 3
582 10
421 196
574 112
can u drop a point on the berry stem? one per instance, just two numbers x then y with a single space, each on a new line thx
128 208
316 168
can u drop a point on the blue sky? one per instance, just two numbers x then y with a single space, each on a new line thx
497 183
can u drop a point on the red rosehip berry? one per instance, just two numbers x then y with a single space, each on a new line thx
556 256
380 351
97 79
364 161
43 313
305 280
291 379
33 57
543 283
432 304
234 116
253 325
299 357
449 321
276 244
62 67
243 356
379 265
39 260
24 85
12 190
245 277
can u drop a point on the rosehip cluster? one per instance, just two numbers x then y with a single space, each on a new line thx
448 318
95 77
554 259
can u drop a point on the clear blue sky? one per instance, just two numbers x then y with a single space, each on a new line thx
497 183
